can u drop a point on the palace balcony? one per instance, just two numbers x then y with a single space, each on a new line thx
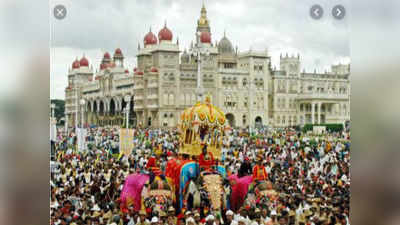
323 96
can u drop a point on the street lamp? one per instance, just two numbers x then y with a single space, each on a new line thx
198 52
250 103
82 102
127 99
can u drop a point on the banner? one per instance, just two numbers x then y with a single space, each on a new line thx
126 141
81 135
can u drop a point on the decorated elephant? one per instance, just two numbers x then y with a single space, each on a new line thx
132 191
139 193
240 187
196 189
209 191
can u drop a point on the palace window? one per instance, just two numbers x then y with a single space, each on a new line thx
244 82
228 65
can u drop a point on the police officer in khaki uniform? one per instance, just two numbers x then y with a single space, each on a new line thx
171 220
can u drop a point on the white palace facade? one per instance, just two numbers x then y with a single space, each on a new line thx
242 84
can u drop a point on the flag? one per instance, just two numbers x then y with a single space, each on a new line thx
81 136
125 141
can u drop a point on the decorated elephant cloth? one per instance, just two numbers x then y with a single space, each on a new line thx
189 170
132 189
240 188
212 191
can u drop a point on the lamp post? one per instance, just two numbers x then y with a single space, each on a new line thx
82 102
250 104
198 52
127 99
76 108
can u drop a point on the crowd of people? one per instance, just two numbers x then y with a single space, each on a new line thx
310 173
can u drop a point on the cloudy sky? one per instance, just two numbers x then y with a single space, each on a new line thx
92 27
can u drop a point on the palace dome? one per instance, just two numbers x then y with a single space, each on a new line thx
118 51
165 34
154 70
225 46
150 39
75 64
126 71
205 37
106 55
84 62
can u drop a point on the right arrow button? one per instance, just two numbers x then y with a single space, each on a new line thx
338 12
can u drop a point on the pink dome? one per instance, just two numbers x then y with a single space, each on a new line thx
205 37
84 62
75 64
118 51
165 34
150 39
106 55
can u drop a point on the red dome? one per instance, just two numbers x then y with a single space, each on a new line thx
84 62
106 55
150 39
205 37
154 70
126 71
75 64
118 51
139 73
135 69
165 34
